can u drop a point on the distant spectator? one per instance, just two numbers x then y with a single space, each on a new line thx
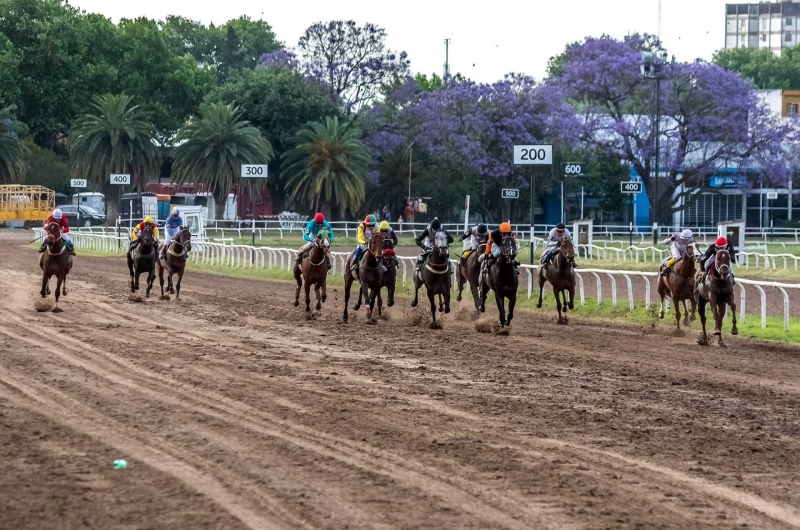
387 216
400 223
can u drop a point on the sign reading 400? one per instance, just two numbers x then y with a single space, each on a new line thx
120 178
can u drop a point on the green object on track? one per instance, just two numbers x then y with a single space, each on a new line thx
120 464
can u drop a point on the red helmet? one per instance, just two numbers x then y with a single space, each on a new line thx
319 218
721 242
388 252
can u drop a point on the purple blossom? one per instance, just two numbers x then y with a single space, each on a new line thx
279 59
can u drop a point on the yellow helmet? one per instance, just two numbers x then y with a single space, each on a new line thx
383 226
148 219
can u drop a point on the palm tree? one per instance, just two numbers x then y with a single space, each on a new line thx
117 138
329 164
212 148
13 151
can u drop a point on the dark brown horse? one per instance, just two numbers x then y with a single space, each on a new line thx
679 286
717 291
388 278
369 275
435 275
56 261
175 262
503 280
314 270
142 258
469 270
561 276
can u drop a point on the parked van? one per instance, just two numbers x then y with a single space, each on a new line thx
92 200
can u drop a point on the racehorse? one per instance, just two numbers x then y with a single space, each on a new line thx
503 280
143 259
561 276
470 271
369 275
388 278
679 286
435 276
175 262
54 262
314 270
717 291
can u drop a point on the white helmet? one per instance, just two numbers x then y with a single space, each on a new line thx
686 234
57 214
175 211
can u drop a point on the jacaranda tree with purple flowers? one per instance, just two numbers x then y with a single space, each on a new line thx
353 61
710 118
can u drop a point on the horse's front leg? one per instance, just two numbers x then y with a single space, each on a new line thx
447 300
319 297
512 301
432 300
571 291
324 288
557 295
501 308
685 314
416 291
732 304
59 280
170 285
461 281
541 293
178 286
720 314
45 281
368 301
701 308
161 281
307 292
151 277
348 284
678 331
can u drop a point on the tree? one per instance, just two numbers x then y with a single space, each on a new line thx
187 36
710 118
328 166
254 38
13 151
352 61
117 138
211 149
765 69
46 168
279 101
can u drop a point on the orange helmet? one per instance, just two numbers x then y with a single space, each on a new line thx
505 228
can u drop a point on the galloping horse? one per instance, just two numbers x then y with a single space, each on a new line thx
143 259
470 271
717 290
503 280
55 262
175 262
388 278
561 276
435 276
369 275
314 269
679 286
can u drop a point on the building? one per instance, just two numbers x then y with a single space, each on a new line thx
773 26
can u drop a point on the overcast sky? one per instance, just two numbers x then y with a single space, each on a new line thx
489 38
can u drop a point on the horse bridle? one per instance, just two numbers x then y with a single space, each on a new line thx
718 266
51 239
509 251
318 244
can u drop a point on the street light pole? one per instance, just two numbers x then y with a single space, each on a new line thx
658 148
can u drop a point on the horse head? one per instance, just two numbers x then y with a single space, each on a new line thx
147 235
509 248
567 249
722 263
323 239
184 238
376 244
440 246
53 230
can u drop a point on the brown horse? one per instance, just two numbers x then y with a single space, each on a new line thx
56 261
314 269
717 291
679 286
435 276
369 275
388 278
175 262
561 276
469 270
143 259
503 280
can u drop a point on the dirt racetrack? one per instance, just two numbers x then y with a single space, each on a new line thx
234 410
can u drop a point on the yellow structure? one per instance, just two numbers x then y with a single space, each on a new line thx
26 203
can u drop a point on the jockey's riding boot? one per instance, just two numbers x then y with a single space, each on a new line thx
70 248
43 248
666 272
299 258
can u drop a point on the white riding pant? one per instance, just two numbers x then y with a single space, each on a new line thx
307 246
474 243
496 251
168 235
66 236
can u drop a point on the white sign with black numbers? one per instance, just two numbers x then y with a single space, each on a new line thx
573 169
630 186
772 195
77 183
509 194
120 178
254 171
533 155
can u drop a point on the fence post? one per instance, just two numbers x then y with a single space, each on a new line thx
599 287
580 288
785 308
613 290
763 305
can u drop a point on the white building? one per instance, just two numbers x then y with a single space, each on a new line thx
773 26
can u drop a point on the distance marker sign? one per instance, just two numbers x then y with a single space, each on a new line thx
630 186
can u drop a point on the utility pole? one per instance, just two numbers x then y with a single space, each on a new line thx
446 75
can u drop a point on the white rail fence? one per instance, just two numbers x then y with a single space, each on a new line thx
248 257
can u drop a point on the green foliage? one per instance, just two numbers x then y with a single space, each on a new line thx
428 85
329 163
764 68
13 150
116 138
212 148
48 169
252 38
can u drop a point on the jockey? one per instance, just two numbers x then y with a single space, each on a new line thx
478 235
430 232
58 217
707 261
363 236
493 249
137 232
389 240
172 226
678 244
554 239
310 234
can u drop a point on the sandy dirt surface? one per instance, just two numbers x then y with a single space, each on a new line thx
235 410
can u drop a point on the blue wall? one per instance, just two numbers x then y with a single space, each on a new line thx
641 201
